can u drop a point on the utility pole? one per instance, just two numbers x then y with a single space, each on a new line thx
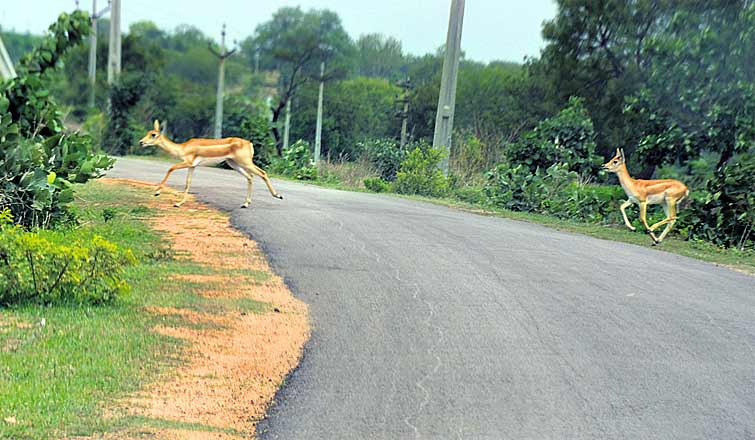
404 113
257 61
6 64
287 126
114 50
444 120
318 130
93 51
222 55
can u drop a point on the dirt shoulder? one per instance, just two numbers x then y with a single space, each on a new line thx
234 360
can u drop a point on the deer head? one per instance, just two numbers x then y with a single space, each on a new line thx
152 137
618 160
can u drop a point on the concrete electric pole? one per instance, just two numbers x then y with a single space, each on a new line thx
114 50
404 113
318 129
222 55
6 64
287 126
93 51
444 120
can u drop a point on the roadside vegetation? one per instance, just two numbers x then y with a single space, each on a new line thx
530 137
96 304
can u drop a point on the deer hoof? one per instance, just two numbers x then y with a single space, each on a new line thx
245 205
178 205
278 196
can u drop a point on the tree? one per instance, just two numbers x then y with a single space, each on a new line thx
380 56
358 109
700 92
295 42
596 50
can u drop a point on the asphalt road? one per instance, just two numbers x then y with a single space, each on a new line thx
434 323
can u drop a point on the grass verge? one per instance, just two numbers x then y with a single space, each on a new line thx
62 366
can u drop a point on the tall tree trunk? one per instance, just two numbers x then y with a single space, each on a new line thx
646 172
725 155
276 131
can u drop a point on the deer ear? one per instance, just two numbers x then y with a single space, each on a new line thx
157 125
623 157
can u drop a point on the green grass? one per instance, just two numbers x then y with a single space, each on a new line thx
56 377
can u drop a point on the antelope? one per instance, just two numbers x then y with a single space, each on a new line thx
665 192
236 152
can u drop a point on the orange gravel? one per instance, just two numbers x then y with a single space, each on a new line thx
235 363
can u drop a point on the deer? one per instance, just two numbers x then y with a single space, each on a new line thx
236 152
665 192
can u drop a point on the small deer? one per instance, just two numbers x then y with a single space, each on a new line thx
236 152
665 192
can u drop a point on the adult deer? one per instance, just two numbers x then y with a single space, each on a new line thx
666 192
236 152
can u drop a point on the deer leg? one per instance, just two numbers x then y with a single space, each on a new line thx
670 209
671 221
260 172
624 206
177 166
188 185
250 181
643 217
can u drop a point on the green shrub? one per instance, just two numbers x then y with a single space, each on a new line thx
376 184
419 173
48 267
557 192
725 215
38 160
296 162
385 155
568 137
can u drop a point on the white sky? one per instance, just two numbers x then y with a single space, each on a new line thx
493 29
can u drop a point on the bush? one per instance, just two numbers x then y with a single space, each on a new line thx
557 192
376 184
568 137
419 173
385 155
47 267
296 162
725 215
38 160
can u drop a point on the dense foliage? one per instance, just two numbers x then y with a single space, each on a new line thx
38 160
566 138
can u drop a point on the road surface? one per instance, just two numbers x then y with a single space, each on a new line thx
434 323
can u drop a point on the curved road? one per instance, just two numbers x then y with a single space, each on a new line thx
434 323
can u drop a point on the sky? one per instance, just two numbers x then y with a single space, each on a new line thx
505 30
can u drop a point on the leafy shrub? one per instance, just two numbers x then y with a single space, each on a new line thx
557 192
568 137
726 214
121 134
247 119
38 161
48 267
376 184
296 162
385 155
419 173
